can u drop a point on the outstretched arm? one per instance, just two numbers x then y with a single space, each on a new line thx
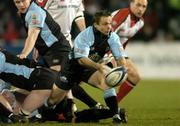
30 42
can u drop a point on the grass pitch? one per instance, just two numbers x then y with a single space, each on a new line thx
151 103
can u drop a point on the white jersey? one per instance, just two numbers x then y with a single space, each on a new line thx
126 25
64 12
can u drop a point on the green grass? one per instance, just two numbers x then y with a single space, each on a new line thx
151 103
154 103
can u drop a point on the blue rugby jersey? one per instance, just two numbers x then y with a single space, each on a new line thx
50 30
93 44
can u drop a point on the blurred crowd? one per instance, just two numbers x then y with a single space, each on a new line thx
162 19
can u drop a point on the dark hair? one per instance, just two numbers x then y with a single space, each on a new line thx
99 14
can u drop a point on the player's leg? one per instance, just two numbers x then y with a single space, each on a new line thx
70 106
132 80
7 111
4 113
59 92
56 96
82 95
34 100
98 80
57 59
92 115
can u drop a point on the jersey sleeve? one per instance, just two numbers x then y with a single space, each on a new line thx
35 19
82 44
116 46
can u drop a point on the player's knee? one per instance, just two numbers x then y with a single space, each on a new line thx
62 82
138 78
134 76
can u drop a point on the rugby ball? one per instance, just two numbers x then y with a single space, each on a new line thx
116 76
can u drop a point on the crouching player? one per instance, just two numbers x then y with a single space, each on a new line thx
39 81
90 46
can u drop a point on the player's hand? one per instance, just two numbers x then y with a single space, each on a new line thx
22 56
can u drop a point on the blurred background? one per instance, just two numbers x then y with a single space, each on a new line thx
155 48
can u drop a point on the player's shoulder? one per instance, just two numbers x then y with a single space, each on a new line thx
113 37
35 11
34 6
121 11
88 31
85 36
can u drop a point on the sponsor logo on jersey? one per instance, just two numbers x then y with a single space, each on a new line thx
34 19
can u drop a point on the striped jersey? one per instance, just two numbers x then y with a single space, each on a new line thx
125 24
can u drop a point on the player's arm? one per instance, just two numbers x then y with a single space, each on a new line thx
117 49
82 45
33 33
81 23
35 21
81 51
85 61
79 19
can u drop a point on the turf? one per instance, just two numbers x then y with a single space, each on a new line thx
151 103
